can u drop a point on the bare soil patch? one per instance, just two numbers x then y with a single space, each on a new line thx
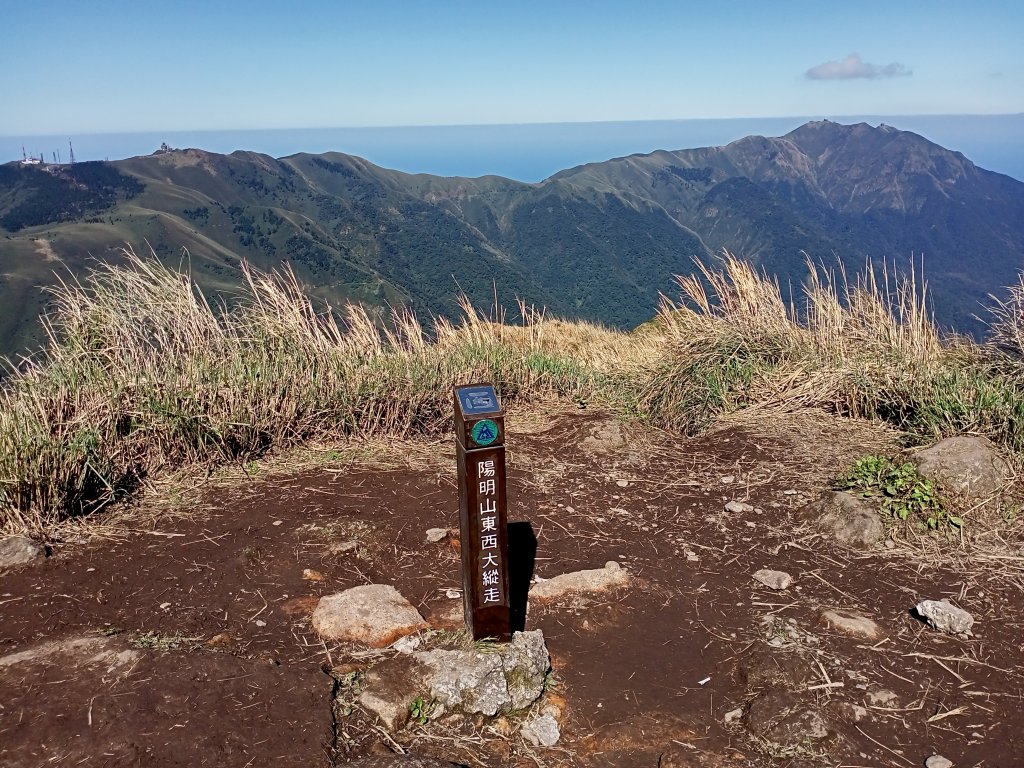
194 644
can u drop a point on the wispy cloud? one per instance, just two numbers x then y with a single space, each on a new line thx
853 67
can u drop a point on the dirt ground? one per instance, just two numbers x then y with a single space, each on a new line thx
187 642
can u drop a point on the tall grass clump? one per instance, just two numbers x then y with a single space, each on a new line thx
141 375
866 346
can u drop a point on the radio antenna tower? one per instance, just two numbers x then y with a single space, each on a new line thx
72 149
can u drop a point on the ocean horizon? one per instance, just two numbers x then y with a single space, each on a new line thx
527 152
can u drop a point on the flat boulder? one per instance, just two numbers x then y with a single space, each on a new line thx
849 520
375 615
17 550
970 466
850 623
594 580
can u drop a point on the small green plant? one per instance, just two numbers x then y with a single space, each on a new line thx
904 494
420 710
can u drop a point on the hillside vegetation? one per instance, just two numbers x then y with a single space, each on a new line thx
142 375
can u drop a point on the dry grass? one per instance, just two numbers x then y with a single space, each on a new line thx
142 376
866 347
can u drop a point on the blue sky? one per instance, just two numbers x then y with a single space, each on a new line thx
108 66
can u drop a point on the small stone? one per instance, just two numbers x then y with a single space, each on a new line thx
435 535
750 524
277 522
310 575
883 698
260 623
938 761
773 579
541 731
851 623
407 644
945 617
164 606
852 712
341 547
889 544
691 556
622 483
789 492
738 507
733 715
452 594
728 479
15 550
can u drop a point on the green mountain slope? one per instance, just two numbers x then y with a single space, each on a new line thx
597 242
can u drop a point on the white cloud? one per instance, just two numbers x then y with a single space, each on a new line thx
853 66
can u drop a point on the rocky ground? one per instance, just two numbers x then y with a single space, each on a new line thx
735 631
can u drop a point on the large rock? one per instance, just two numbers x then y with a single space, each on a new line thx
595 580
375 615
16 550
967 465
850 520
504 677
466 680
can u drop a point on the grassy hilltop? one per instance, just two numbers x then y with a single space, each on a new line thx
143 376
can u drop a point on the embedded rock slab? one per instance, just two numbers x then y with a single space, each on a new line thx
595 580
848 519
375 615
17 550
75 653
850 623
945 617
389 690
967 465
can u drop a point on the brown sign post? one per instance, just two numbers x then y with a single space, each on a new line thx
480 451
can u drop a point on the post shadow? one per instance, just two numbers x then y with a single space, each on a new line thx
522 554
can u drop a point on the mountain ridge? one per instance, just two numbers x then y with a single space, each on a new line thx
599 241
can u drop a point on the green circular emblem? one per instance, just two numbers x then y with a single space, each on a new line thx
485 432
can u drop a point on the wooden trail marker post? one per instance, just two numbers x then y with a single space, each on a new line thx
483 514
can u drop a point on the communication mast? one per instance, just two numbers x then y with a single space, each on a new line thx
72 150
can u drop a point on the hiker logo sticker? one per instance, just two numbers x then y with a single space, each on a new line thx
485 432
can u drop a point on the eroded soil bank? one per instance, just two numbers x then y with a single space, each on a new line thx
188 643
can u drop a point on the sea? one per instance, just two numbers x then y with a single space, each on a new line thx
527 152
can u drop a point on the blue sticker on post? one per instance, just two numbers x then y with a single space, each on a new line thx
477 400
484 432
